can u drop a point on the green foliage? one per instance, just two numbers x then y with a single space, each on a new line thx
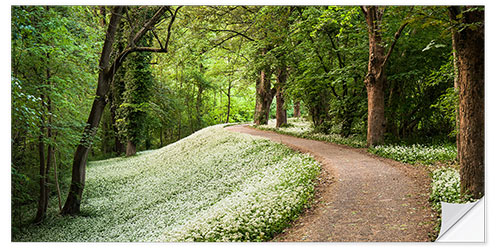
212 186
132 113
446 188
419 74
53 49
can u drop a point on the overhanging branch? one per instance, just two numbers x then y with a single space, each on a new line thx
396 37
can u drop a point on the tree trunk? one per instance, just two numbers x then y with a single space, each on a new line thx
198 104
296 109
375 78
264 96
42 201
281 118
376 119
455 80
119 148
106 73
228 102
470 56
131 149
72 204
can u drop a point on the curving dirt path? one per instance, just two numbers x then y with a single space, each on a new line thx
360 197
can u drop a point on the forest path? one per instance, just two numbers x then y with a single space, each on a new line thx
360 197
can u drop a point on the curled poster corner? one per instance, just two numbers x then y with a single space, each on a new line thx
462 222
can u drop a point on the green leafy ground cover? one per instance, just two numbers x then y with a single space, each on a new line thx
446 187
416 153
413 153
302 128
212 186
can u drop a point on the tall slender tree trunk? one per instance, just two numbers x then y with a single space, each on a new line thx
106 73
42 201
281 118
469 44
72 204
455 80
228 101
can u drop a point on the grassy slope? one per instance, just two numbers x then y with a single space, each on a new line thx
212 186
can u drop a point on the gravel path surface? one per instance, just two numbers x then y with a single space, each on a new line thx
360 197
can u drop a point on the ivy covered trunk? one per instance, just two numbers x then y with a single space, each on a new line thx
281 118
470 59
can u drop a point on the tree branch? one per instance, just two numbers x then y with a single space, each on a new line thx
132 48
147 26
396 37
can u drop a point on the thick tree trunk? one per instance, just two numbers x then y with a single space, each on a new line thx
281 118
375 78
470 56
131 149
296 109
264 98
72 204
376 118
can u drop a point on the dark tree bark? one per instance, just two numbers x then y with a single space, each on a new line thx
296 109
469 43
228 94
281 118
72 205
106 73
43 200
375 78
